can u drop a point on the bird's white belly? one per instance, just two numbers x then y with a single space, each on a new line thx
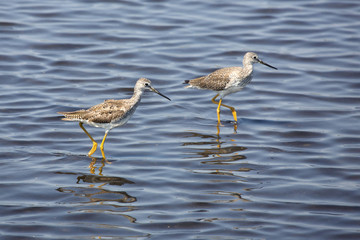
235 85
230 91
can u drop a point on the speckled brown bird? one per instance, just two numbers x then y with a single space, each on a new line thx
228 80
111 113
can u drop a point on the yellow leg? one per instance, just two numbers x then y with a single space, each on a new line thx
234 115
232 110
102 144
213 99
218 110
93 149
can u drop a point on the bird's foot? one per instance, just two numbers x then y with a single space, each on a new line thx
93 149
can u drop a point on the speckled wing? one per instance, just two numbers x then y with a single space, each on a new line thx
216 81
101 113
110 110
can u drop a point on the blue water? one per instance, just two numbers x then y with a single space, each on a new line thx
291 171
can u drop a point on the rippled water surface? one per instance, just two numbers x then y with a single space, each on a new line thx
291 171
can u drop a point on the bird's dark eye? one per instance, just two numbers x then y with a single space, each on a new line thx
146 84
254 57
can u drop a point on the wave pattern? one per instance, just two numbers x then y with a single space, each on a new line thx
291 170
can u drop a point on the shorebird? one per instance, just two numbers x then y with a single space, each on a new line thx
228 80
111 113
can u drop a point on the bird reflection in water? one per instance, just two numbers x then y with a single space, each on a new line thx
103 179
236 197
223 154
98 195
220 155
92 166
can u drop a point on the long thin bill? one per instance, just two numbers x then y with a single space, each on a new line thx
154 90
267 65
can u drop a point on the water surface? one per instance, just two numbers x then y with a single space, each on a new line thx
291 171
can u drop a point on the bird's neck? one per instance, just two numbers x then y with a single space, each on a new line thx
136 96
248 68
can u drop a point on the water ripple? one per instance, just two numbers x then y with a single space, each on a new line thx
289 172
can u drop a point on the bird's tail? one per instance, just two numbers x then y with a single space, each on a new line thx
72 116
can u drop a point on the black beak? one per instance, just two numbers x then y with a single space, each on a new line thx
156 91
267 64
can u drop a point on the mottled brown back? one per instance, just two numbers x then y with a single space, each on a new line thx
217 80
105 112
